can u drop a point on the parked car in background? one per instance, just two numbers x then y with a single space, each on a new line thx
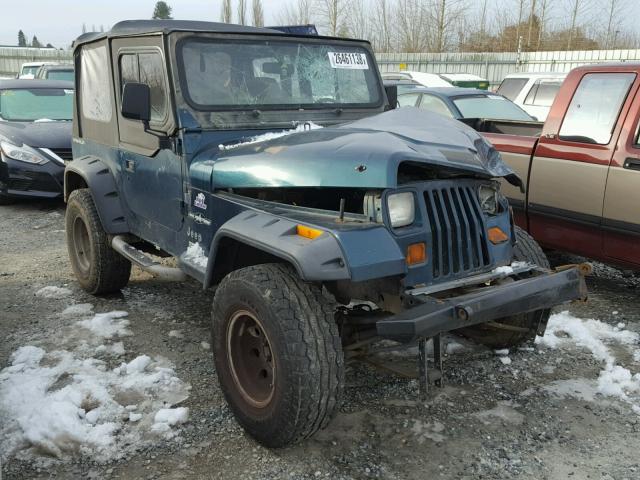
534 92
56 72
35 137
466 80
422 78
463 103
28 70
582 166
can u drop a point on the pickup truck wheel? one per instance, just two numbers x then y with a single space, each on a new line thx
98 268
277 353
512 331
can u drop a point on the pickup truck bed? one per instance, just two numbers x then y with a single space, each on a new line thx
582 167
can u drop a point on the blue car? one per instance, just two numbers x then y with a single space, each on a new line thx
461 103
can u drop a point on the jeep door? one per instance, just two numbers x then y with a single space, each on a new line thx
151 173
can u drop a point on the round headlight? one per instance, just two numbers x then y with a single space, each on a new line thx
402 209
488 199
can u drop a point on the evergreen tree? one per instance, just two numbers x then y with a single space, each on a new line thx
35 43
22 40
162 11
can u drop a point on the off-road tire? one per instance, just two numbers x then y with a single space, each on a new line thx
305 347
100 270
525 250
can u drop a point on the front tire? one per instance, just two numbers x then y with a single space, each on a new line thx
515 330
98 268
277 353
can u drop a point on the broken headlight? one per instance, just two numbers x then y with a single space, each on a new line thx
402 209
489 199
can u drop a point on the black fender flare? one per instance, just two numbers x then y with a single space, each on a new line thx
320 259
97 176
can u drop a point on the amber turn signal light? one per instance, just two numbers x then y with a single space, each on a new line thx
416 253
308 232
497 236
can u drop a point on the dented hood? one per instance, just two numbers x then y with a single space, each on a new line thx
361 154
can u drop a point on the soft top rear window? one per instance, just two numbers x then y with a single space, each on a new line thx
282 74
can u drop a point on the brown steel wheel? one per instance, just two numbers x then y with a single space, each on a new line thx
277 353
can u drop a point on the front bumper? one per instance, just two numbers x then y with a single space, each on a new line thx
21 179
541 291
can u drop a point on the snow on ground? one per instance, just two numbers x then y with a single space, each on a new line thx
107 325
614 380
67 402
53 292
78 310
195 254
271 135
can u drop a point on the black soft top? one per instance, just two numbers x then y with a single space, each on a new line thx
128 28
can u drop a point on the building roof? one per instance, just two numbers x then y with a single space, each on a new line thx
15 83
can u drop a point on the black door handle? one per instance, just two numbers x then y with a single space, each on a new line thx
632 163
129 165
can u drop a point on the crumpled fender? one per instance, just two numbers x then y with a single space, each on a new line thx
354 254
102 185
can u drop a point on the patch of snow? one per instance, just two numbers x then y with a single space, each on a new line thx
68 402
428 431
53 292
195 254
107 325
205 345
579 388
78 310
508 269
614 380
172 416
505 360
502 352
271 135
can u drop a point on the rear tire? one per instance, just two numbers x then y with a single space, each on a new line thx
277 353
526 325
98 268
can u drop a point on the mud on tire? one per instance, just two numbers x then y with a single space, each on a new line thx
524 326
98 268
277 353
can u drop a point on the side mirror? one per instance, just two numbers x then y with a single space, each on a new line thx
392 96
136 101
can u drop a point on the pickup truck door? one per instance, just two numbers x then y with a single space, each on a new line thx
570 164
621 216
151 172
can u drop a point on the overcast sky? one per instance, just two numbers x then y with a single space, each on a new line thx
59 22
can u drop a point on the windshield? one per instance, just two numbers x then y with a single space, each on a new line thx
493 107
32 104
61 75
223 75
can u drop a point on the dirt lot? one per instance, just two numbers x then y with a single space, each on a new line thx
536 413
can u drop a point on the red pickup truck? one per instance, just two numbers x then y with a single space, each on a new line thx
581 168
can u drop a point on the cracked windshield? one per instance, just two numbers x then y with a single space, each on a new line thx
277 75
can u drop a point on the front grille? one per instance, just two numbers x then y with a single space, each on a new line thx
63 153
459 241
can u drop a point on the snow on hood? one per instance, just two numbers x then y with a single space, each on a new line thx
365 153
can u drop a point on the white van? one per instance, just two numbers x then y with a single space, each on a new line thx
534 92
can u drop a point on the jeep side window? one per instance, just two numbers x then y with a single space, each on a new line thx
94 87
146 68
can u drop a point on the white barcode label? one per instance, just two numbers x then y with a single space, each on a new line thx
352 60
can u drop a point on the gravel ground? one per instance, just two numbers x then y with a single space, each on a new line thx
492 420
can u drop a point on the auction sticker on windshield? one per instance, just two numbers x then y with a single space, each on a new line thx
352 60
